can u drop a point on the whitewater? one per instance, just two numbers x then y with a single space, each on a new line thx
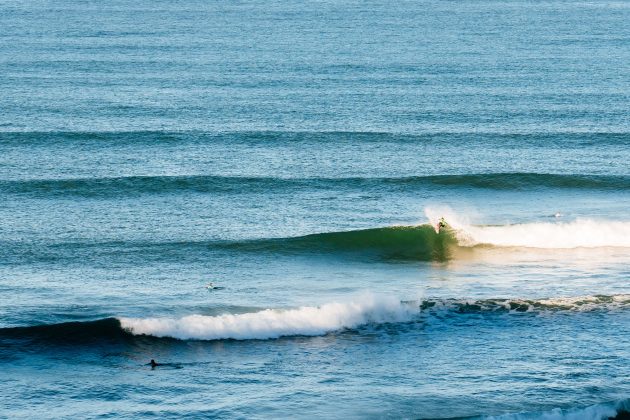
272 323
338 316
581 232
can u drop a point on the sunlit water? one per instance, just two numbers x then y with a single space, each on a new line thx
248 194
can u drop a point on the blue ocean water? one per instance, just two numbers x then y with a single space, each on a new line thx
248 194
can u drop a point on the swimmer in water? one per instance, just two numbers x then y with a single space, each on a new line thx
153 364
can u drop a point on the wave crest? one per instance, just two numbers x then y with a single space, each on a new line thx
273 323
304 321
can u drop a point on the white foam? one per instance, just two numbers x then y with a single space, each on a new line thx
274 323
580 233
586 233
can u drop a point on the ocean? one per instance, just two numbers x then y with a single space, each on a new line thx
248 194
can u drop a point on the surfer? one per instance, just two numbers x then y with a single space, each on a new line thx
153 364
441 224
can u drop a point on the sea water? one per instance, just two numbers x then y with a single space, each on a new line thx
248 193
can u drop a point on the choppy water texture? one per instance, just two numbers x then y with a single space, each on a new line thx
248 193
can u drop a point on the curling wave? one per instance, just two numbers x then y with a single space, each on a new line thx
423 243
393 243
417 243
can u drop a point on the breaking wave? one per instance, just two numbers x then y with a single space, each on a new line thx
580 233
584 233
423 243
274 323
304 321
393 243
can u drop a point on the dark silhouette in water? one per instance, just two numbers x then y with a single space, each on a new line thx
441 224
621 415
155 364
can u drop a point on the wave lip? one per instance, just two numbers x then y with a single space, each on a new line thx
273 323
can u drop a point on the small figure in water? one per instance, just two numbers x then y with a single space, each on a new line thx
153 364
441 224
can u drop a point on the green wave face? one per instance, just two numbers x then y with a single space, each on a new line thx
419 243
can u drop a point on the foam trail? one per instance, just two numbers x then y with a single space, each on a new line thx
584 233
580 233
272 323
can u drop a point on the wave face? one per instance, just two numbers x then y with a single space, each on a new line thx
406 243
306 320
76 332
396 242
140 185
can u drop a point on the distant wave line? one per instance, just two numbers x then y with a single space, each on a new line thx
140 185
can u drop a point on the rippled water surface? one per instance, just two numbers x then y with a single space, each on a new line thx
249 194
